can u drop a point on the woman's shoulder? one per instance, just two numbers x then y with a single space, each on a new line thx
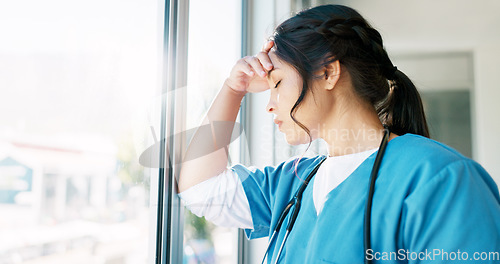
416 148
425 158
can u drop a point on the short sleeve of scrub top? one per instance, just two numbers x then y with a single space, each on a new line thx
263 186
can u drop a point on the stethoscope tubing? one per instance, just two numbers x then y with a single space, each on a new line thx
371 190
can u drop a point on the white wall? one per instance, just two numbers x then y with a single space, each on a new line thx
487 107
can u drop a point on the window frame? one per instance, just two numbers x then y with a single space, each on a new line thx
170 212
169 233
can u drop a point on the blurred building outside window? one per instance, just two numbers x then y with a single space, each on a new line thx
78 99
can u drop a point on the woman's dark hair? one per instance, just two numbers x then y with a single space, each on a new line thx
321 35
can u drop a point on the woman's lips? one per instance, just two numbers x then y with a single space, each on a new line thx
278 122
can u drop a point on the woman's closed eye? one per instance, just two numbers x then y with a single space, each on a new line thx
276 86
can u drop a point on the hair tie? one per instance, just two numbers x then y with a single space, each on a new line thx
392 73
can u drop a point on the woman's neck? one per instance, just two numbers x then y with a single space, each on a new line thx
352 132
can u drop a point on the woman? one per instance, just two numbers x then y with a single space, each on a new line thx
331 78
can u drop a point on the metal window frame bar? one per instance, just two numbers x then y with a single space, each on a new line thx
243 243
178 101
170 213
161 170
168 96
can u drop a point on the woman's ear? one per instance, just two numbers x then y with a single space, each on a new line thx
332 74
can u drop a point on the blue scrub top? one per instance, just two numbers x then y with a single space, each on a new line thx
431 204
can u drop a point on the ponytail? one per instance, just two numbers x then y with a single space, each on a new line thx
403 110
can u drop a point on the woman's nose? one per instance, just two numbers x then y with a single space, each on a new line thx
271 107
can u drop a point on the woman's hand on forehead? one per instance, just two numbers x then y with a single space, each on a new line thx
250 74
266 49
263 56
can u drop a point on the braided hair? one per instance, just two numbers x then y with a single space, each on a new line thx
321 35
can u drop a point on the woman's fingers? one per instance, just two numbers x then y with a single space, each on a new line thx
265 60
257 67
246 68
267 46
260 63
264 55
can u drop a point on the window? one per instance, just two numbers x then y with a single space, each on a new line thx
213 48
445 83
77 109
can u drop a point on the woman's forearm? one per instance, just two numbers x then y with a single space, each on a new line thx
206 156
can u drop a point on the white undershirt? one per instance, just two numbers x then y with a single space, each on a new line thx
333 172
222 200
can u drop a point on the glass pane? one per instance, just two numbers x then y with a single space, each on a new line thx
77 82
449 118
214 47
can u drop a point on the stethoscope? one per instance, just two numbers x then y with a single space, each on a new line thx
297 198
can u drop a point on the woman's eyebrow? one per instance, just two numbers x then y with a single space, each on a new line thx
270 71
